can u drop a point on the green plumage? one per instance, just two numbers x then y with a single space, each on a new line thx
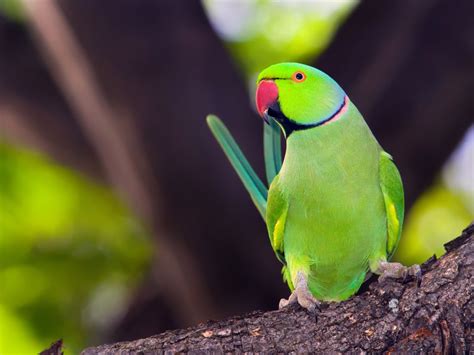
335 209
329 202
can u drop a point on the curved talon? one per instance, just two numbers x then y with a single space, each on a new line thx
397 271
302 295
283 303
415 271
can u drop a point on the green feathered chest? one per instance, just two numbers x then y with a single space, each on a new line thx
336 216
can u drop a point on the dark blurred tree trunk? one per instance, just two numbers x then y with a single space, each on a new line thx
32 110
409 68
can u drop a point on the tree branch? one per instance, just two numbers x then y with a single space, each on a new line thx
393 316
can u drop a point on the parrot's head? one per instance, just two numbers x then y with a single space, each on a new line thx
298 97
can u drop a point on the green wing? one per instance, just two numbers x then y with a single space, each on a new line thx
272 149
276 223
392 189
255 187
276 219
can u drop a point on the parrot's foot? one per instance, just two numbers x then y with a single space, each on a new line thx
302 295
397 271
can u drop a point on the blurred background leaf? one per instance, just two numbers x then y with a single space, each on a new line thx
441 211
263 32
12 9
71 254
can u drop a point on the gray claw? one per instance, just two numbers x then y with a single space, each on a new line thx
415 271
398 271
302 295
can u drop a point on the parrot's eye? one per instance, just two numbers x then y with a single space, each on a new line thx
299 76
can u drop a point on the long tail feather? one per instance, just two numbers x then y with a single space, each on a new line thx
272 150
255 187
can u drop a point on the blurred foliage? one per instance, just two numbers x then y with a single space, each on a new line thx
70 253
444 210
263 32
436 217
12 9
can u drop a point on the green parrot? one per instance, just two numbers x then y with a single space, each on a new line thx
334 209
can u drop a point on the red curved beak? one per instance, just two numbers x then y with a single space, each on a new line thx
266 95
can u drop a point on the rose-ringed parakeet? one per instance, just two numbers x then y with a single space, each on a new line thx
334 209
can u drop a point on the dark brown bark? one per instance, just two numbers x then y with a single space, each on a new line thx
56 348
391 317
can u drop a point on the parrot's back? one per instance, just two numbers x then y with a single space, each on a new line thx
335 219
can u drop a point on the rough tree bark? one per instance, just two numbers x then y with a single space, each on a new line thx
393 316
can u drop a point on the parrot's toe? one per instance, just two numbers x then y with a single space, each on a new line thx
415 271
398 271
283 303
286 302
307 301
302 295
304 298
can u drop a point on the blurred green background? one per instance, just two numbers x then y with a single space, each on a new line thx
76 254
71 254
